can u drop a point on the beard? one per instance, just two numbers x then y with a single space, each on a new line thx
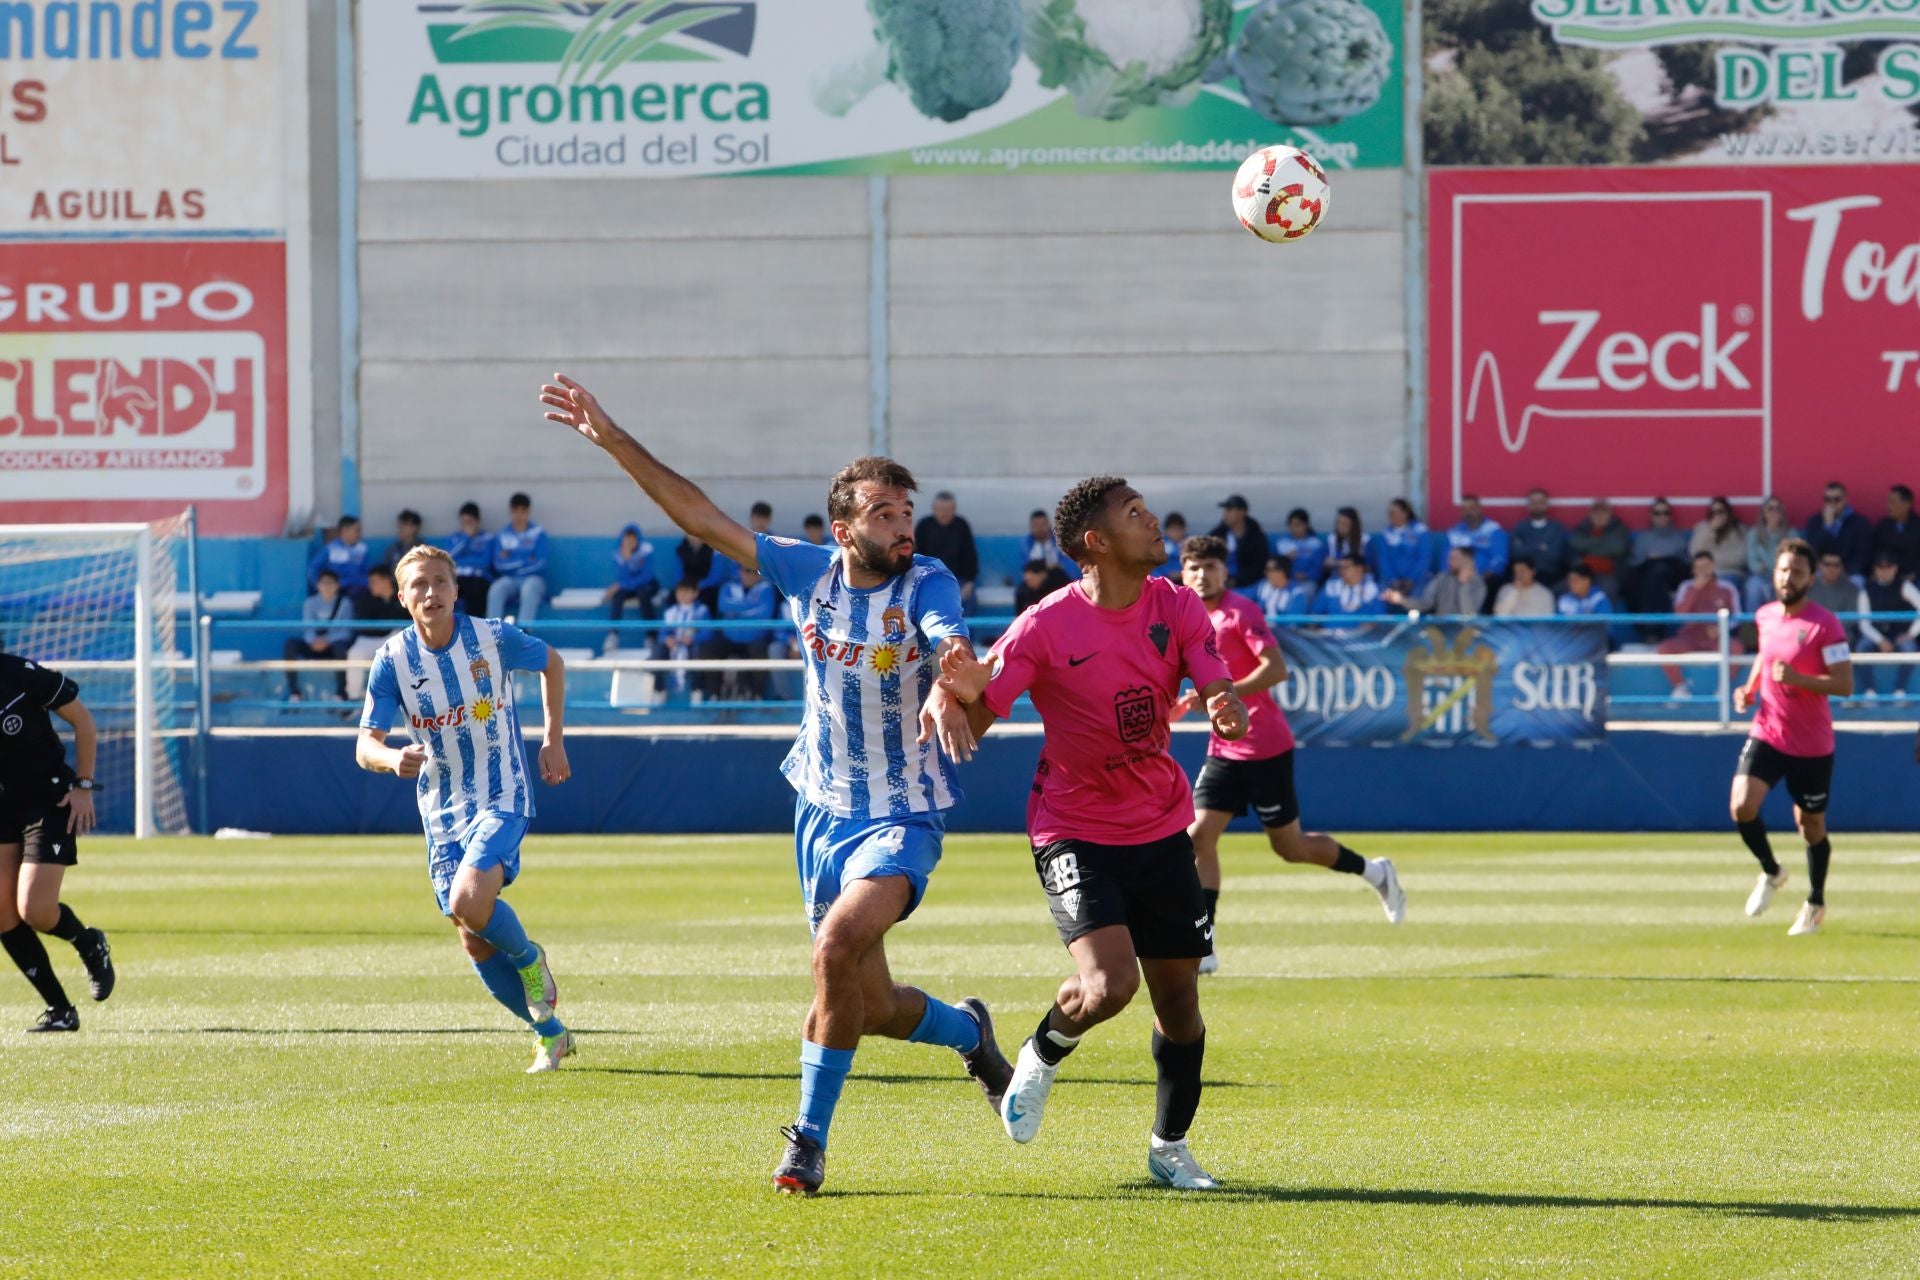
878 557
1792 595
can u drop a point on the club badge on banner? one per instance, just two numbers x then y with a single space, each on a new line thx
1446 683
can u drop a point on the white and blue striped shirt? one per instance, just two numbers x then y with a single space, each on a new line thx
458 702
871 661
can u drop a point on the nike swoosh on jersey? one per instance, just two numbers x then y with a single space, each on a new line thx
1074 662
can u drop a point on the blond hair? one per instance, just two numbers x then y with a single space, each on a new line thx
420 555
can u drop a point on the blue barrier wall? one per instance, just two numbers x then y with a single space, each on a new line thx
1632 782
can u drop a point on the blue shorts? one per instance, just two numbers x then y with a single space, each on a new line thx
492 841
832 852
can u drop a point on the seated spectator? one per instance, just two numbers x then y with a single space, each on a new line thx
1722 536
1763 548
633 577
1459 592
1703 593
1603 544
1038 580
1838 527
1887 592
1899 533
1581 598
472 552
1352 594
760 517
686 634
1246 541
1173 536
519 564
346 556
382 605
1038 544
1487 540
947 537
1401 555
406 536
814 530
1543 540
1305 548
748 598
322 642
1347 540
1835 592
1526 596
709 570
1657 565
1279 596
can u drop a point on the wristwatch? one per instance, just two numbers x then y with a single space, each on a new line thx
85 784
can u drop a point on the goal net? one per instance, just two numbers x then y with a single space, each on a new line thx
96 602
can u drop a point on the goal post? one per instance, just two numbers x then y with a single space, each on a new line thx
97 602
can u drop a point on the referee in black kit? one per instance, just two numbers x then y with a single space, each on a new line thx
45 807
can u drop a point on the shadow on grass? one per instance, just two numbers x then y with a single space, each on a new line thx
861 1077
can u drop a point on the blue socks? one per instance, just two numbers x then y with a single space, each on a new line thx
503 980
944 1024
504 934
822 1073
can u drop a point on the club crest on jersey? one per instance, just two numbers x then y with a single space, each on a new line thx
480 669
1160 633
1133 713
893 623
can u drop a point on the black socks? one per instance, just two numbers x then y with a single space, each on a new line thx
1819 854
68 927
26 950
1177 1095
1350 862
1053 1046
1755 834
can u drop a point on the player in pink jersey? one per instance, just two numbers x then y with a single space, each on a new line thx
1256 770
1803 660
1103 659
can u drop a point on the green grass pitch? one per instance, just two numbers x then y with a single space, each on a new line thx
1576 1058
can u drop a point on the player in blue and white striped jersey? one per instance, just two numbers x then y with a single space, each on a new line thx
874 620
450 677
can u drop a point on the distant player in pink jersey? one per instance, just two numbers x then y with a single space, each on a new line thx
1256 770
1803 660
1103 659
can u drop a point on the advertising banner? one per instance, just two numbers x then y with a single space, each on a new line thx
675 88
1638 334
1734 82
1541 683
148 238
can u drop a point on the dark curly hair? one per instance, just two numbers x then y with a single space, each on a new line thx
1203 546
841 490
1080 511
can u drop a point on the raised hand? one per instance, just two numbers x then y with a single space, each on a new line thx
572 405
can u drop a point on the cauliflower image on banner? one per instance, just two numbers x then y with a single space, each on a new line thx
951 57
1311 61
1116 55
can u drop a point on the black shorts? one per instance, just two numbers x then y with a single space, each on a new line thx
1152 889
1809 779
40 827
1230 786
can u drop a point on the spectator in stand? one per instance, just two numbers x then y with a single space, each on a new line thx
1346 541
406 536
1583 598
519 564
1300 544
708 571
1543 540
324 639
1247 548
472 552
1401 555
1835 592
814 529
1657 565
346 555
1487 540
1887 592
1173 536
746 599
1039 543
947 537
1352 594
1837 526
1458 592
633 576
1603 544
1703 593
1279 596
686 633
1038 580
760 517
1722 536
1898 532
382 605
1763 548
1526 596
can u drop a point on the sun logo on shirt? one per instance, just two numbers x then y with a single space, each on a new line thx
483 710
886 658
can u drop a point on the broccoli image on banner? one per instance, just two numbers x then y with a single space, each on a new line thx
1311 61
952 57
1115 55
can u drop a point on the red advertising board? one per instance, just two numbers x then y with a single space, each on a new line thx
137 377
1677 333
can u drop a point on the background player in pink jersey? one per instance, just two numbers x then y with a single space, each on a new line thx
1803 661
1256 770
1103 659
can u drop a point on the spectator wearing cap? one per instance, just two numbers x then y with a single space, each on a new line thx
1278 595
1305 548
1887 592
472 552
1603 544
1899 533
1038 580
1763 548
1526 596
1543 540
947 537
1173 535
1837 526
346 555
1722 536
1351 594
519 564
1400 556
1458 592
1247 548
1702 593
1657 565
1479 534
406 536
1347 540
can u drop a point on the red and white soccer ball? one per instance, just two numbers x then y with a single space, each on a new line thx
1280 194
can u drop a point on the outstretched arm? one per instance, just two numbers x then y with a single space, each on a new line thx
685 503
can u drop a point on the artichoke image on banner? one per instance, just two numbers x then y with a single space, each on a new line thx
1311 61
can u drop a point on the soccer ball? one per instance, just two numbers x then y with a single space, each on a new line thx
1280 194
